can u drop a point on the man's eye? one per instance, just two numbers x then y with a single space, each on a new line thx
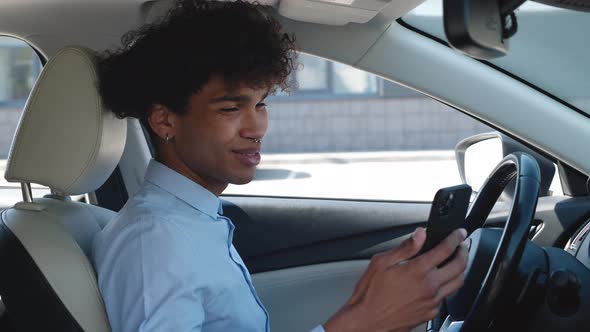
230 109
261 105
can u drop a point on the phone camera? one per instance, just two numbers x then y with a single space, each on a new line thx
446 205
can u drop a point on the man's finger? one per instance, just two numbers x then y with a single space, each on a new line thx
451 286
408 249
455 267
443 250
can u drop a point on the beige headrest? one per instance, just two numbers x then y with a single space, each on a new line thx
65 139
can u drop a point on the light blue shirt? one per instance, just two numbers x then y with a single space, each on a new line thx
167 262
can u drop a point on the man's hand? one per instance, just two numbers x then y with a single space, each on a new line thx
398 292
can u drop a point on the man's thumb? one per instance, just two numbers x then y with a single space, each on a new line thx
410 247
419 237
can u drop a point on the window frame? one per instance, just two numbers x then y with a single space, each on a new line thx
20 104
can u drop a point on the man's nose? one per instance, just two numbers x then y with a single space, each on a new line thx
254 124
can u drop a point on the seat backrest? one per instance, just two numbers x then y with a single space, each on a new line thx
67 141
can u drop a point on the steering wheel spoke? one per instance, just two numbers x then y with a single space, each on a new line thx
451 326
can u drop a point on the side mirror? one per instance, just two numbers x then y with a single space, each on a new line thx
478 155
476 158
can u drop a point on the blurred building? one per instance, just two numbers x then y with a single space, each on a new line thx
338 108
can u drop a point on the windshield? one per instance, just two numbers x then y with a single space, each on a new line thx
551 49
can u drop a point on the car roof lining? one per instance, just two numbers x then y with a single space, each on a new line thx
48 24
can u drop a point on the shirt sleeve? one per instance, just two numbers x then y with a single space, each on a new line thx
318 328
148 283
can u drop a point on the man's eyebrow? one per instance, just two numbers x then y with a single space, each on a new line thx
234 98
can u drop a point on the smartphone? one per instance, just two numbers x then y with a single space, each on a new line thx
446 214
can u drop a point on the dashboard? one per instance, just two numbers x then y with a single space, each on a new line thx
579 244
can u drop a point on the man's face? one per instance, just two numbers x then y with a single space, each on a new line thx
217 141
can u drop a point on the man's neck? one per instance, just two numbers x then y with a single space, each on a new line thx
181 168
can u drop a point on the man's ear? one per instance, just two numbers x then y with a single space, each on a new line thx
162 121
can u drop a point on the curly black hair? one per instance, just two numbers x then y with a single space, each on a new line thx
167 61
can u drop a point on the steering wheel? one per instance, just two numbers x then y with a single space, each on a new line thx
473 307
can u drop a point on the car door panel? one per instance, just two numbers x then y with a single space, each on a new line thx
277 233
301 298
306 255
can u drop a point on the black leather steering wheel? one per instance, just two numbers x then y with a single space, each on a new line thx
473 307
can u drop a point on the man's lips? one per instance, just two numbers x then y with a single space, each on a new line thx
247 151
248 157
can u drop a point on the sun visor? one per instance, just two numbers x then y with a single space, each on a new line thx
339 12
329 12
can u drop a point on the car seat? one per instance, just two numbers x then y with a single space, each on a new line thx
68 142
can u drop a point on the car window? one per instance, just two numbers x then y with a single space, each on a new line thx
19 68
348 134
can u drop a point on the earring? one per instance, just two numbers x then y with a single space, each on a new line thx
167 138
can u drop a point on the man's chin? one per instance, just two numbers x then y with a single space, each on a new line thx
239 180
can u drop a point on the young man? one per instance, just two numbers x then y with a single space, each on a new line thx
198 80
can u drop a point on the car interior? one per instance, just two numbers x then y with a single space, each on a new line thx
529 257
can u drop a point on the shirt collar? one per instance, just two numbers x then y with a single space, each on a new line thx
183 188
